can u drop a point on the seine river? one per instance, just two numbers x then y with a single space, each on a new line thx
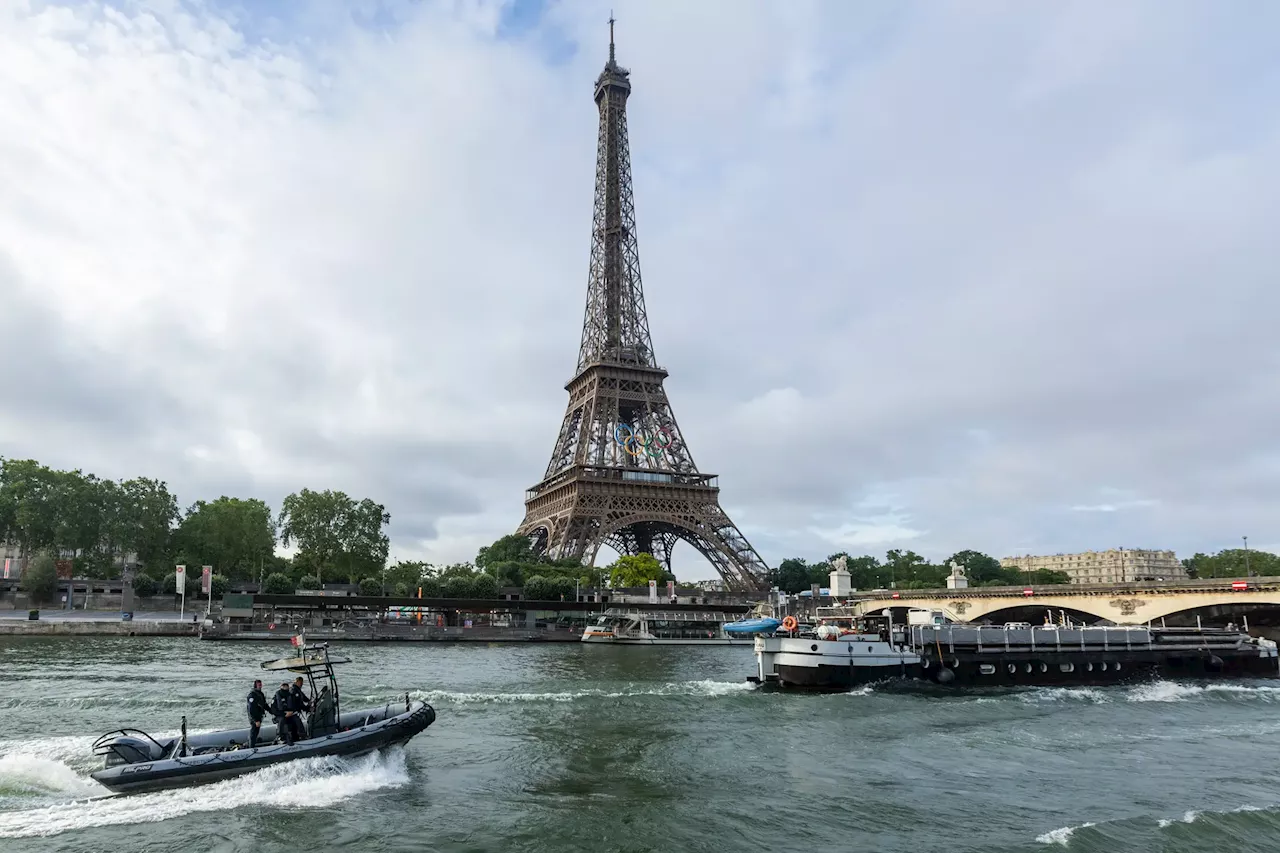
570 748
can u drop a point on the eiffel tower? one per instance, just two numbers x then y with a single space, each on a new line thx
621 474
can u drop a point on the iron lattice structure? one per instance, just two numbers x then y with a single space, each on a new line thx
621 473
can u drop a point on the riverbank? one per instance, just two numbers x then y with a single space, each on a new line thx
390 632
82 627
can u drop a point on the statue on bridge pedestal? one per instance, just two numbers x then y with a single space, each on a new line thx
957 579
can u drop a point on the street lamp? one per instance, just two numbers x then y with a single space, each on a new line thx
1247 573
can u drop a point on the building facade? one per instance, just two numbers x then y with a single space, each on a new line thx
1117 565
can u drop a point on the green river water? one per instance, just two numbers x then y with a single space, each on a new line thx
583 748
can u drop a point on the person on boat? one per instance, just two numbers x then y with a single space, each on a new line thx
256 703
282 710
298 703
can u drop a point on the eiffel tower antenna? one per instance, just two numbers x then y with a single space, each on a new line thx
620 474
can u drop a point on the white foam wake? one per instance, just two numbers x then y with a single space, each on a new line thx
1061 835
306 783
706 688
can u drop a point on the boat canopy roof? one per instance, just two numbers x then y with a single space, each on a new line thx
312 659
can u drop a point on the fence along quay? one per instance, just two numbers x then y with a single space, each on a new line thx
850 650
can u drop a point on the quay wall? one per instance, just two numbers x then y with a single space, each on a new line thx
96 628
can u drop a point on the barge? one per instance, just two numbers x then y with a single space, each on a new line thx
928 648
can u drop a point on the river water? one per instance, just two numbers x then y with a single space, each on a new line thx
582 748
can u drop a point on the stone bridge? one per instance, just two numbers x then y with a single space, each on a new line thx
1123 604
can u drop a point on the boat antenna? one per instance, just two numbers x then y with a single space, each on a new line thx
183 752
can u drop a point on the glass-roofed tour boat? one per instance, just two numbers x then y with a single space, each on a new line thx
637 627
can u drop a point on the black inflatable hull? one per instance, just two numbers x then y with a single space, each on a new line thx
203 769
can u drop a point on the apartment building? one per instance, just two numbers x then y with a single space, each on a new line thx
1117 565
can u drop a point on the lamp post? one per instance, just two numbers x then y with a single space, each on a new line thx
1246 557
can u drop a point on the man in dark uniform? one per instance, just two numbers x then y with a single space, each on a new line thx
282 709
256 704
299 702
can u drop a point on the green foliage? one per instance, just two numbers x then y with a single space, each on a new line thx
907 570
508 549
561 588
97 521
484 586
370 586
231 534
1233 563
537 588
278 583
456 586
218 585
402 590
430 588
40 580
340 536
791 575
634 570
307 582
145 586
409 574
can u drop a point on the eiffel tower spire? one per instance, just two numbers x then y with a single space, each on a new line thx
620 473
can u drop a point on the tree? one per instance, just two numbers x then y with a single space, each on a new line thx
1233 563
277 584
40 580
338 535
537 588
456 586
232 534
509 549
145 586
409 574
148 513
484 586
218 585
791 576
631 570
370 586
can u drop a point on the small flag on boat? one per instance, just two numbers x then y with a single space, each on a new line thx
297 640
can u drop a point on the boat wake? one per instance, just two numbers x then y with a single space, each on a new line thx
1249 828
44 789
705 688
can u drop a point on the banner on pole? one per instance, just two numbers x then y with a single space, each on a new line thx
206 579
6 567
671 590
180 579
653 592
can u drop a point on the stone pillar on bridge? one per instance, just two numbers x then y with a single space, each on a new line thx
957 580
840 584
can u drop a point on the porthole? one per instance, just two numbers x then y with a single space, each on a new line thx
1117 666
1026 667
1013 667
986 668
1067 667
1103 665
814 647
1088 667
1044 668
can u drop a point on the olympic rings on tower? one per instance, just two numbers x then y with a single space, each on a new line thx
638 442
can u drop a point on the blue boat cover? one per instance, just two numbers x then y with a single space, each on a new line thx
752 626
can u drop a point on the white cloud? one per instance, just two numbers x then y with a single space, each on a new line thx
988 262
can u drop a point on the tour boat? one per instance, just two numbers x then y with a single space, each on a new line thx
865 649
136 762
636 627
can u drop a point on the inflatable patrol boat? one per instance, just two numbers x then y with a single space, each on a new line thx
136 762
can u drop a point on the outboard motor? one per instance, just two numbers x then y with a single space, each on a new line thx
126 749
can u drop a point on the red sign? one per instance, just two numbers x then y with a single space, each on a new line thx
896 595
1239 584
206 579
6 567
1028 591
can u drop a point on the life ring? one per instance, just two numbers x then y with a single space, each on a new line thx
789 624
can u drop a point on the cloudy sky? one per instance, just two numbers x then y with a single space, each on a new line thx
992 275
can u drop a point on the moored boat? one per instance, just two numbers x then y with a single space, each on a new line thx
873 649
134 761
639 627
